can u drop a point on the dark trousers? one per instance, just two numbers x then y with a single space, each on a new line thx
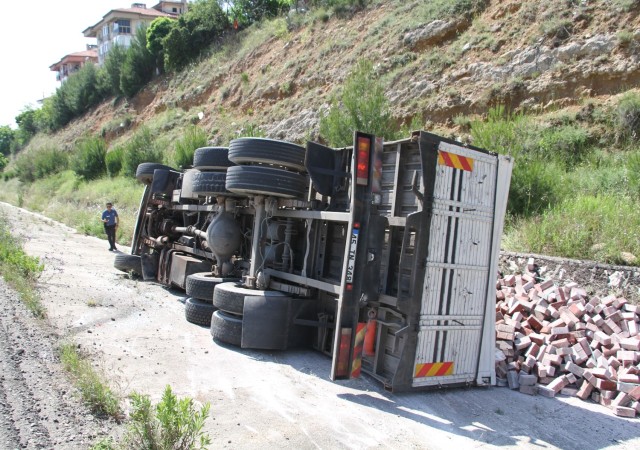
111 235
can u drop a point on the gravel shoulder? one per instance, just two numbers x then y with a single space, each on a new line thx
137 333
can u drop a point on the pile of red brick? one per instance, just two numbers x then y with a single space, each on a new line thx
558 340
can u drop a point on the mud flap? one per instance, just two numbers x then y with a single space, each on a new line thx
149 266
265 322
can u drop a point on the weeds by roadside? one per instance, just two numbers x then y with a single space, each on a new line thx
20 270
95 392
171 424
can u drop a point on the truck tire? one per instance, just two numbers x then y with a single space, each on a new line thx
226 328
201 285
198 312
229 297
267 151
128 263
209 183
211 158
263 180
144 172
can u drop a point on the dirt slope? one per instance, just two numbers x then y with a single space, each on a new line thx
279 76
138 334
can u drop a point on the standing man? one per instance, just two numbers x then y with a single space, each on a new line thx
110 220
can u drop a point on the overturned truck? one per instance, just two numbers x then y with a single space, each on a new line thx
382 255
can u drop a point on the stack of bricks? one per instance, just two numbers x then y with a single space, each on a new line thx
559 340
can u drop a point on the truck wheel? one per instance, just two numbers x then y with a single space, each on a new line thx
229 297
226 328
128 263
263 180
201 285
198 312
144 172
267 151
209 183
211 158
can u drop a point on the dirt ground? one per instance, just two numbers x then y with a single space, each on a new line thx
137 333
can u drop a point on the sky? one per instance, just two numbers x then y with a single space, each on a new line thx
36 34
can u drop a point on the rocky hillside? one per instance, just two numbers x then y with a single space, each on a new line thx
438 60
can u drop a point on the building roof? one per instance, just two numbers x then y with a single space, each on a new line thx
75 57
140 12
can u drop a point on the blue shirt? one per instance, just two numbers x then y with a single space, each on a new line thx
110 216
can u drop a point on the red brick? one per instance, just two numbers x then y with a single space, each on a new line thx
557 384
624 411
585 390
631 343
621 399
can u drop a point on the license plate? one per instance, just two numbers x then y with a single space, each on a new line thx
353 246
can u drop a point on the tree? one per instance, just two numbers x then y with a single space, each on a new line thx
111 69
7 136
139 65
199 27
156 33
250 11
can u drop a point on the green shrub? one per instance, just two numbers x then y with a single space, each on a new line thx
633 173
20 270
569 145
88 161
140 148
444 9
95 392
172 424
194 137
627 116
535 186
362 106
3 162
113 161
585 226
40 163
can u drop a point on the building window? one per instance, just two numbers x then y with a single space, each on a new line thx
175 10
122 26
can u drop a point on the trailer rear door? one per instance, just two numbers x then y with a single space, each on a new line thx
460 267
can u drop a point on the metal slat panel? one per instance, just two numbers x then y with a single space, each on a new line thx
457 267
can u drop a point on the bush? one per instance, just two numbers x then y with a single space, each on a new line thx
3 162
172 424
194 137
585 226
535 186
627 116
140 148
633 171
40 163
7 136
362 106
113 161
568 145
88 161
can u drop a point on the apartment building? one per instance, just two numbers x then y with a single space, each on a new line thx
118 26
72 62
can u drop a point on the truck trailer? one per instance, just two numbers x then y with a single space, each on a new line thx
381 255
